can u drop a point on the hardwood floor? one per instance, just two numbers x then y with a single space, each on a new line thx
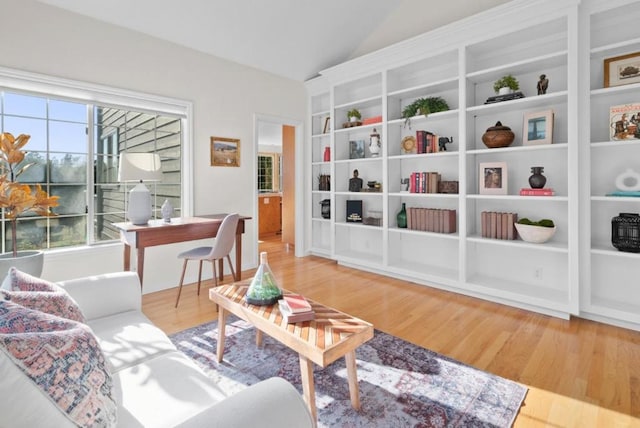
579 373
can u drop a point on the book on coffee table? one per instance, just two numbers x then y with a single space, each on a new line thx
296 303
293 317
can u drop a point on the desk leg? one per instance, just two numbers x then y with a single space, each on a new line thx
140 264
350 360
222 323
238 256
127 257
308 388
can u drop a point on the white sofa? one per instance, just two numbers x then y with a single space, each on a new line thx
156 385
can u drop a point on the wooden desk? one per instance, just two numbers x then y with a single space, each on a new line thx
181 229
332 335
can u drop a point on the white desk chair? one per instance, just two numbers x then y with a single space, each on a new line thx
221 248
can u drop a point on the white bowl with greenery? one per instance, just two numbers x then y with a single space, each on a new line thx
534 233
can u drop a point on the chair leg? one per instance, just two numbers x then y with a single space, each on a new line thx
199 276
215 277
233 274
184 269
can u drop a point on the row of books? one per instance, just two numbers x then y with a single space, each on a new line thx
424 182
547 191
426 142
498 225
431 220
295 308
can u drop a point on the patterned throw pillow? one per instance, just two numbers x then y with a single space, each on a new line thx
41 295
63 359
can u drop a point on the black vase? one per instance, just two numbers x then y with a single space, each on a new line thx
537 180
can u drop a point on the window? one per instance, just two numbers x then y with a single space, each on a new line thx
70 160
268 172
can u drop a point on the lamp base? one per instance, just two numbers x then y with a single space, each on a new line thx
139 205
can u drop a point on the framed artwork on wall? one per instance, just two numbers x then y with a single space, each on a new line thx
225 151
493 178
538 128
622 70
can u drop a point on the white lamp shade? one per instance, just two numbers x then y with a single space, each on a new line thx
139 167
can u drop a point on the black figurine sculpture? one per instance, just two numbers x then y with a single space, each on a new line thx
543 84
355 183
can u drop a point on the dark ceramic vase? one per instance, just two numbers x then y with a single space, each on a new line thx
537 180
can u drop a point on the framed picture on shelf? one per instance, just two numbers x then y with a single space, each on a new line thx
356 149
622 70
493 178
225 151
538 128
624 122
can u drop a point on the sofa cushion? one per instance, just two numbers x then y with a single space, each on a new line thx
129 338
62 359
165 392
36 293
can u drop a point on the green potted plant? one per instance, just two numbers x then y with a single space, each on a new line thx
506 84
354 115
423 106
18 199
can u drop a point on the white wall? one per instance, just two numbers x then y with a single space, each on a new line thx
38 38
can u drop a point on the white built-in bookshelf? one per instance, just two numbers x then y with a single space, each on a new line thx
578 272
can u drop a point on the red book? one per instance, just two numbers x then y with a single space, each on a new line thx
290 317
370 120
525 191
297 303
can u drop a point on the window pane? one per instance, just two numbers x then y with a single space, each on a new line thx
36 173
73 199
106 140
109 199
37 128
68 168
31 234
67 231
104 231
67 137
69 111
25 105
106 169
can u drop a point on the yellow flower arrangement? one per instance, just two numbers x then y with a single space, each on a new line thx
17 199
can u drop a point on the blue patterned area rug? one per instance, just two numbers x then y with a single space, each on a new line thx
401 384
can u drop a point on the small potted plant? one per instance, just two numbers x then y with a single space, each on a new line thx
424 106
18 199
354 115
506 85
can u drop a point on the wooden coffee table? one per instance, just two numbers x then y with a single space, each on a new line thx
331 335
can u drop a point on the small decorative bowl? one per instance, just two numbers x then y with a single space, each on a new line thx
498 136
535 234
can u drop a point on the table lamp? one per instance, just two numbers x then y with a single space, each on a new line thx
139 167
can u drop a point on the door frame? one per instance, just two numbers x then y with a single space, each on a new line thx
298 174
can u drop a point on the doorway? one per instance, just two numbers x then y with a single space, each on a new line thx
278 194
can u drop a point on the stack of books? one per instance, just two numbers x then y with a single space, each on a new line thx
526 191
295 308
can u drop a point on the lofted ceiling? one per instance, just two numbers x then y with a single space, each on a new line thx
292 38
